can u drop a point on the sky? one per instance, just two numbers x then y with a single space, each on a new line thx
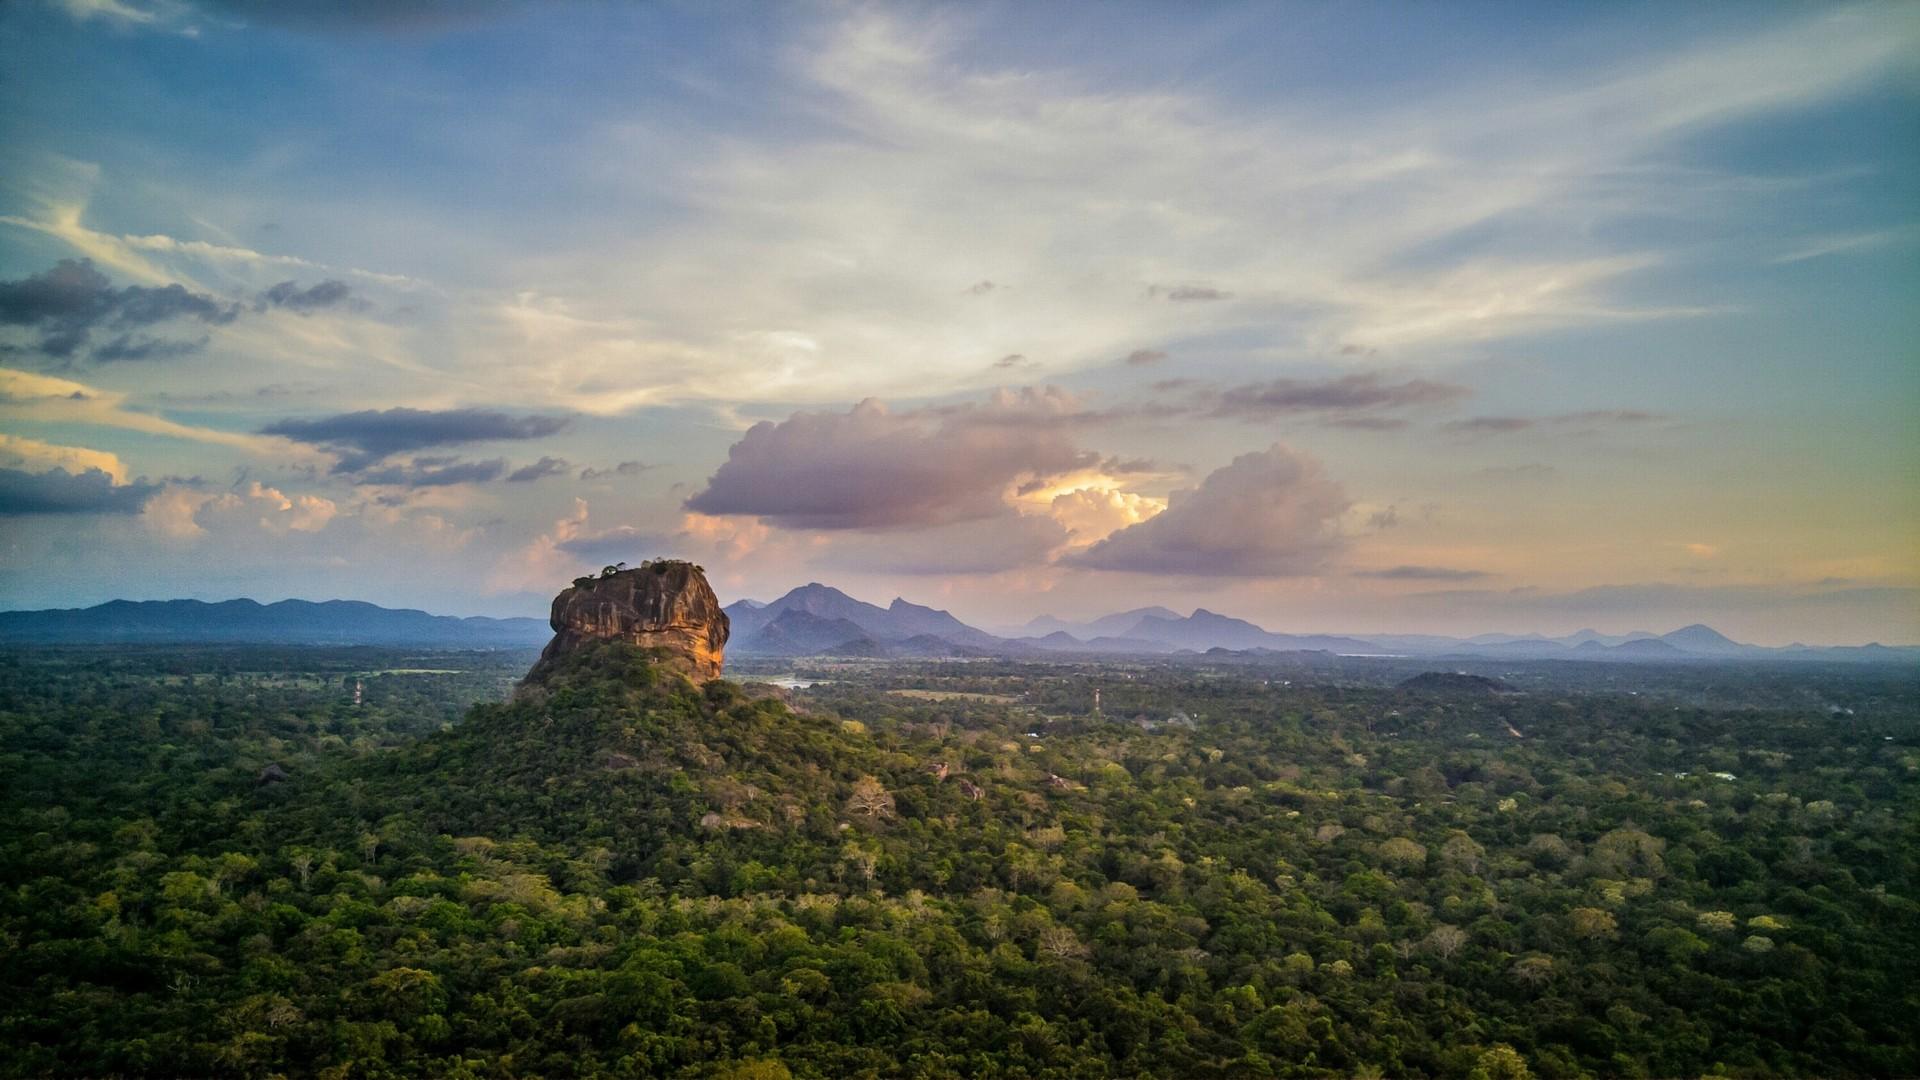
1337 317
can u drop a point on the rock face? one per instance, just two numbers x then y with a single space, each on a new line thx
665 604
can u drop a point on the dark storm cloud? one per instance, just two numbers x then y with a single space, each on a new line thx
292 297
364 438
1347 394
871 468
67 303
625 468
1187 293
539 470
1143 357
1422 573
1273 513
433 472
62 492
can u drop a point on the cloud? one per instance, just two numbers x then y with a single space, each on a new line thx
1184 293
288 295
1091 514
872 468
67 303
1143 357
61 492
1502 425
1343 396
1532 472
625 468
1272 513
1422 573
127 347
111 11
1492 425
1013 360
432 472
363 438
49 399
539 470
364 16
623 542
32 455
1007 541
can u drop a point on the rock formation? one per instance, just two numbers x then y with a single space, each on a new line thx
665 604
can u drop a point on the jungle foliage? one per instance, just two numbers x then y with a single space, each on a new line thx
216 871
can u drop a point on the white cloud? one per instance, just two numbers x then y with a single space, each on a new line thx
32 455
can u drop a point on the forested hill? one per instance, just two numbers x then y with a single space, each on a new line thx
618 873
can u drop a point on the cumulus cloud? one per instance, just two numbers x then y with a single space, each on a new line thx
1344 396
539 470
1422 573
364 438
1272 513
1091 514
872 468
59 491
67 303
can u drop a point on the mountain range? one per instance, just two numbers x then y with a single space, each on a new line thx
247 622
819 620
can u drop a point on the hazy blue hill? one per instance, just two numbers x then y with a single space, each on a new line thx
1205 630
303 622
1704 640
753 626
796 632
1114 625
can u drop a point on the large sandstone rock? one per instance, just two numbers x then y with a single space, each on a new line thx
660 605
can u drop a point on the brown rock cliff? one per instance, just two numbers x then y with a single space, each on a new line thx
665 604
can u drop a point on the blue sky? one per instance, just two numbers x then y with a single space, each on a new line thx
1351 318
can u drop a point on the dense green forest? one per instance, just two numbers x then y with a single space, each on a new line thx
219 864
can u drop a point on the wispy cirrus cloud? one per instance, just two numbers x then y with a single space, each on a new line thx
1505 425
1422 573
